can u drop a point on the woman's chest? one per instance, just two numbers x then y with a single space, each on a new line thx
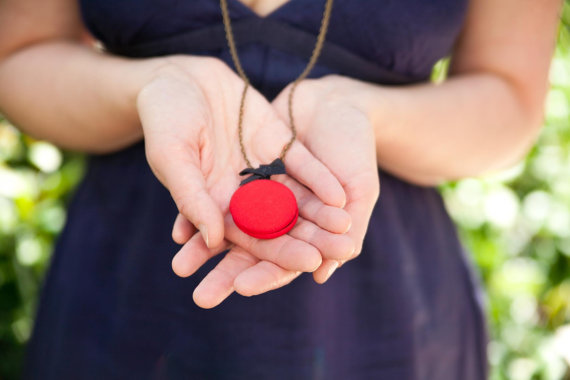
401 35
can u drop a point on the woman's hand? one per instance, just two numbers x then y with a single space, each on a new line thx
340 135
189 116
338 132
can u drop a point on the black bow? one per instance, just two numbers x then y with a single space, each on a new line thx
263 171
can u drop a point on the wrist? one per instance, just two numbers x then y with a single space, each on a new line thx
370 99
358 94
117 82
130 78
135 76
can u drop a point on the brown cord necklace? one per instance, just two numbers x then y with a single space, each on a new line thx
260 207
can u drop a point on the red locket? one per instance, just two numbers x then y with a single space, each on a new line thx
263 208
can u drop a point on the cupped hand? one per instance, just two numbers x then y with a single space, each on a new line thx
332 123
335 129
339 134
189 114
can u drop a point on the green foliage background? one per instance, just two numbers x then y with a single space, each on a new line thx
515 223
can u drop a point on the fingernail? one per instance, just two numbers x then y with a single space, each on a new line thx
204 231
333 267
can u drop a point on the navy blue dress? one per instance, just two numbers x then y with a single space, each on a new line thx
408 308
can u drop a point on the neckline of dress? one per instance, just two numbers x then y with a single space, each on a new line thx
251 13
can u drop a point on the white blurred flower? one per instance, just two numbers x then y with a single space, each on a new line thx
28 250
496 350
562 342
523 310
557 104
16 183
45 156
465 202
548 163
522 369
470 191
536 207
559 220
501 207
553 364
559 73
518 276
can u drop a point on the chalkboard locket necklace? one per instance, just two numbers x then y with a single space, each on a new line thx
261 207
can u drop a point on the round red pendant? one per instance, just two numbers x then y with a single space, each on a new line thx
264 209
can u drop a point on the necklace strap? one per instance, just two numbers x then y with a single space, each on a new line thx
312 61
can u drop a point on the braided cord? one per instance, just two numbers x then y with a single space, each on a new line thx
312 61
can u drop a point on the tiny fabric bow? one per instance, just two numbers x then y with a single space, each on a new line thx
263 171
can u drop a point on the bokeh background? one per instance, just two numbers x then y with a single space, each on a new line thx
516 225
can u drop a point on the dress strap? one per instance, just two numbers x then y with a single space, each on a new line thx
276 34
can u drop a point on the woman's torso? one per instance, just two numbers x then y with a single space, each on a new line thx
407 308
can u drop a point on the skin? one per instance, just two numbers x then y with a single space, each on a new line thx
483 118
263 7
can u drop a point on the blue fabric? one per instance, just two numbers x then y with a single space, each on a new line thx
408 308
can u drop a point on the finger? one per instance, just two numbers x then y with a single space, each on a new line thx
285 251
360 206
360 225
362 196
331 246
182 230
219 283
263 277
308 170
193 255
325 271
188 189
332 219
